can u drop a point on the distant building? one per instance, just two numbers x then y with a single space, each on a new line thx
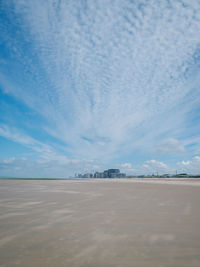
121 175
88 175
113 173
96 175
101 175
110 173
105 174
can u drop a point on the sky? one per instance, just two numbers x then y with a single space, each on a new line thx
97 84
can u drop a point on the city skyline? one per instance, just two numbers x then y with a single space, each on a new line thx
95 85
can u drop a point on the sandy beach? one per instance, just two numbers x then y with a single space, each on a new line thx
100 223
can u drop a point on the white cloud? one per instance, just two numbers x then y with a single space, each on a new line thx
8 161
156 167
126 166
44 151
53 168
14 135
171 146
49 162
191 166
116 73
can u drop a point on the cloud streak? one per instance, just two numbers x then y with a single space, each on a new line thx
109 77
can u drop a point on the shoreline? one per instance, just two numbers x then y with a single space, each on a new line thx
175 181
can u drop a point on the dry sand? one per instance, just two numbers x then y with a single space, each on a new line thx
100 223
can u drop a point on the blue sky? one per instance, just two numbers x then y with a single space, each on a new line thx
87 85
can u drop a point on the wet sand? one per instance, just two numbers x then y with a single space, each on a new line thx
99 223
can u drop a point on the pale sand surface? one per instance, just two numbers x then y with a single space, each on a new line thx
117 223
